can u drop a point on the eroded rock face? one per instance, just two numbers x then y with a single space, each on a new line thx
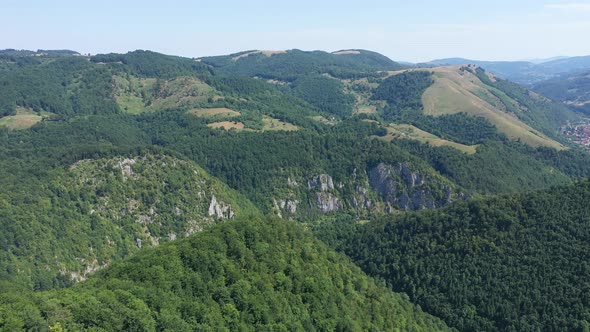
323 182
220 209
126 167
403 188
327 202
361 200
285 206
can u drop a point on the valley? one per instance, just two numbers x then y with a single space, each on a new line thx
286 190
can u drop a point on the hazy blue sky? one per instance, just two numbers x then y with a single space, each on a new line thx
413 30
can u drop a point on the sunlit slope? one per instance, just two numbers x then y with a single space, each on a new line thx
457 89
246 275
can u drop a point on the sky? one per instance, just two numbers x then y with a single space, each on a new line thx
411 30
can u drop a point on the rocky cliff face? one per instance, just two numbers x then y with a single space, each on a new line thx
220 209
327 202
384 188
325 199
322 182
403 188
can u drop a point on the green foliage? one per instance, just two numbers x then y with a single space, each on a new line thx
533 109
324 93
292 64
511 263
573 89
403 90
66 86
97 211
152 64
259 164
246 275
461 127
498 167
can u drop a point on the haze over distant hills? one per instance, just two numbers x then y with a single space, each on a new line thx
523 72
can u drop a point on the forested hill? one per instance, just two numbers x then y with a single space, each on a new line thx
246 275
382 141
291 64
573 89
79 219
510 263
104 156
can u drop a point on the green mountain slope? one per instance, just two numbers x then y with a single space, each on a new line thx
246 275
573 89
516 112
511 263
82 218
291 64
178 103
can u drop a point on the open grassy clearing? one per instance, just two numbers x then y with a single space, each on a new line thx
276 124
136 95
221 112
267 53
365 109
269 124
24 118
406 131
323 120
20 121
456 90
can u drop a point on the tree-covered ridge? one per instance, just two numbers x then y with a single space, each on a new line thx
289 65
65 86
324 93
152 64
404 90
246 275
82 218
502 167
510 263
573 89
279 166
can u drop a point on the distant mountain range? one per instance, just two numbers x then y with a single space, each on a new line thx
522 72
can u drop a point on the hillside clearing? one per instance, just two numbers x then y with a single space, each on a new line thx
214 112
266 52
323 120
137 95
24 118
20 121
406 131
456 90
276 124
365 109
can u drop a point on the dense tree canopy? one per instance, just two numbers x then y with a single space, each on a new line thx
247 275
511 263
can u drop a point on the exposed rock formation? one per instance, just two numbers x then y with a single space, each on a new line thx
327 202
126 167
323 182
361 198
403 188
220 209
